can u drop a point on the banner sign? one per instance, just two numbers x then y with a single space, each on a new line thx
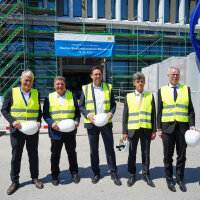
69 44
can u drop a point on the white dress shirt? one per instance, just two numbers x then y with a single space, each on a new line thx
172 89
26 96
61 98
98 93
137 94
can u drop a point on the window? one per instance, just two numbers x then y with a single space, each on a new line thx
145 10
77 9
124 9
89 8
166 11
113 5
135 9
156 10
101 8
65 8
177 11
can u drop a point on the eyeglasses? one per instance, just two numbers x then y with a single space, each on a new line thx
175 74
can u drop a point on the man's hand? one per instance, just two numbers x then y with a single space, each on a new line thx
39 125
76 125
55 126
192 128
153 136
110 116
91 118
17 125
160 134
125 136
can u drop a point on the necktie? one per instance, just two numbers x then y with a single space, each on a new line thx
175 93
140 100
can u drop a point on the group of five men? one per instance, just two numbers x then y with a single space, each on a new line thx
175 116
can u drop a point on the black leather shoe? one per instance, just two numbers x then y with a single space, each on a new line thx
13 187
149 182
76 178
116 180
55 181
131 180
96 178
171 186
38 183
182 186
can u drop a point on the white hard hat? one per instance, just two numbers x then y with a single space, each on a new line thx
66 125
100 119
123 145
192 138
29 127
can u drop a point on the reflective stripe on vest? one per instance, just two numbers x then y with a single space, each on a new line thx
175 111
59 112
20 111
89 102
139 117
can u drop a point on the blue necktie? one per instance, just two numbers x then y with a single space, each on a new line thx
175 93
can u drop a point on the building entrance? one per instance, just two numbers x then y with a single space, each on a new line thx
75 80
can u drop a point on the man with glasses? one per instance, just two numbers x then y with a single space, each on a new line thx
175 116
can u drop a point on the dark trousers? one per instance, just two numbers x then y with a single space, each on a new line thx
169 141
18 140
107 135
70 146
145 140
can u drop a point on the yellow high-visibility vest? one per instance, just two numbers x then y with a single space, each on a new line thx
175 111
59 112
139 117
89 102
22 112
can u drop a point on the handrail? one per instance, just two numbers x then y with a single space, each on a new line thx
10 12
18 54
15 31
12 85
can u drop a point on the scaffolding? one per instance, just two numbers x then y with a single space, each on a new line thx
18 39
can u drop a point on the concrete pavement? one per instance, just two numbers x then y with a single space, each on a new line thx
105 189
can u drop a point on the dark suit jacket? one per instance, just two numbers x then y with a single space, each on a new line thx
125 120
53 134
6 107
168 127
85 112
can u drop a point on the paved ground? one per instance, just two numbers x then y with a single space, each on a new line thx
105 189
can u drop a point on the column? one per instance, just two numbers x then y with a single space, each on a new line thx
172 11
140 10
108 9
118 10
161 11
152 10
84 8
94 7
130 10
182 12
71 8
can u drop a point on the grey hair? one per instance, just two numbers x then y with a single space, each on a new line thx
59 78
138 75
28 73
174 67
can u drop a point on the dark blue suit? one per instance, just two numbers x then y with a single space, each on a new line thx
58 138
93 135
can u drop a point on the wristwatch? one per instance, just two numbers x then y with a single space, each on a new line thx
159 129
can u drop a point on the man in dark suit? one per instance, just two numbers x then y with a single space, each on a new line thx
175 116
139 122
60 105
96 98
23 104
